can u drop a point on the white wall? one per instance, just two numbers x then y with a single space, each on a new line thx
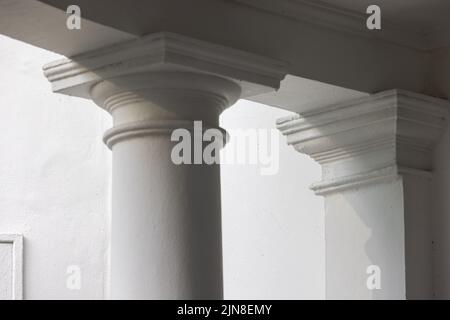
273 225
54 189
54 177
361 223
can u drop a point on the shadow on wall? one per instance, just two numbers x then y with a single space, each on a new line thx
364 228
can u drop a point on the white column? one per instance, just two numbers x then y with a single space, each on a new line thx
166 218
376 157
166 222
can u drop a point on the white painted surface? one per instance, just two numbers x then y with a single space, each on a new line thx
300 94
165 218
376 160
54 183
364 227
11 267
273 239
6 271
54 177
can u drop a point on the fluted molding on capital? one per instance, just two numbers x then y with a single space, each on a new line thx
369 139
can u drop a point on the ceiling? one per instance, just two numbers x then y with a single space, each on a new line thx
140 17
343 53
423 16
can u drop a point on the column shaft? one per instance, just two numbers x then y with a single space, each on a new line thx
166 224
166 220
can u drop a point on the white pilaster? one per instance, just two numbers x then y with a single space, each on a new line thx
376 162
166 220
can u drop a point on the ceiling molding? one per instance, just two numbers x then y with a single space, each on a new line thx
343 20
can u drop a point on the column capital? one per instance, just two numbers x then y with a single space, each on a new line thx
161 81
369 139
165 51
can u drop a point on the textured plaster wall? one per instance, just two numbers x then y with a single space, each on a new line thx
55 181
54 177
364 227
273 225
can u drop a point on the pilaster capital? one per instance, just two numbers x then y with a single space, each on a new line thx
369 139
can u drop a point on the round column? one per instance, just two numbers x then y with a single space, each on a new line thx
166 218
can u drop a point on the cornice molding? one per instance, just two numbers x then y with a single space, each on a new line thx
355 142
344 20
165 52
